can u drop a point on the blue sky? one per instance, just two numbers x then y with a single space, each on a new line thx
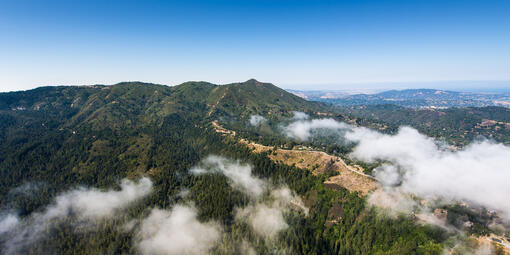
294 44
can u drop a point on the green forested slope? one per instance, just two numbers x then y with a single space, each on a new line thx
455 125
58 138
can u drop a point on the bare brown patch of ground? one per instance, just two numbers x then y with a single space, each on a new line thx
335 215
255 147
310 199
498 242
349 177
222 130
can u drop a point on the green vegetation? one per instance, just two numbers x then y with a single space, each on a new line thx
58 138
455 125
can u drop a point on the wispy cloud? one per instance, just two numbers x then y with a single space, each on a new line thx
300 115
176 232
256 120
239 174
421 165
303 129
264 214
84 204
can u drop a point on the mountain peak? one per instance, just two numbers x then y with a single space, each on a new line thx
252 81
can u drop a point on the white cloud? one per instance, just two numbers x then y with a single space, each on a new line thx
256 120
265 214
283 197
180 232
393 200
176 232
85 204
239 174
246 249
479 173
94 203
302 129
408 145
299 115
266 218
8 222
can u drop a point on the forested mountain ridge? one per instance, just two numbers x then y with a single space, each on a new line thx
55 139
57 115
126 99
253 97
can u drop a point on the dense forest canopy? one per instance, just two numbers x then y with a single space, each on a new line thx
135 145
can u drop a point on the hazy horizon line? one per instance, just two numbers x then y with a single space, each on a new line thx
453 85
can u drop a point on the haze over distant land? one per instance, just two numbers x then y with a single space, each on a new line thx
369 88
283 42
355 88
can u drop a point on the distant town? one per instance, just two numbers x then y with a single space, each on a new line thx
413 98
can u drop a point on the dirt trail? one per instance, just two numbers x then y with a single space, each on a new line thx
216 104
350 177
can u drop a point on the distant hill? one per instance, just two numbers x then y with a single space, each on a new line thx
459 126
414 98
